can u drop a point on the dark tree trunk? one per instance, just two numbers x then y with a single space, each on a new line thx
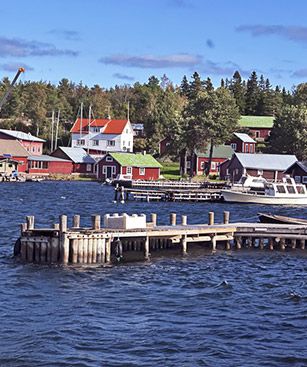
207 171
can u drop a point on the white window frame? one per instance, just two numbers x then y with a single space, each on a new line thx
188 164
213 166
96 143
111 143
113 170
257 134
297 179
202 165
88 167
233 146
304 179
109 159
129 170
142 171
81 142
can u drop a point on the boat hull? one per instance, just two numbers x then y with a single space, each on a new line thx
279 219
241 197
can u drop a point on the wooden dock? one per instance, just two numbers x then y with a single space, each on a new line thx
126 194
101 246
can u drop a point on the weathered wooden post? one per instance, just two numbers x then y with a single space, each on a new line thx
76 221
302 244
74 251
30 251
184 220
64 241
30 222
173 219
213 241
238 241
146 248
80 250
183 242
23 250
154 219
56 226
43 252
227 245
293 244
261 243
108 250
96 222
90 251
282 244
95 248
271 244
211 218
226 217
85 250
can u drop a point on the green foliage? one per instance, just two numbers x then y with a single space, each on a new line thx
289 133
170 170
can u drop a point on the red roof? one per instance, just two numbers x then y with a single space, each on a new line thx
111 126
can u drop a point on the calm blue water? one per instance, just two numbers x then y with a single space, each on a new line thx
244 308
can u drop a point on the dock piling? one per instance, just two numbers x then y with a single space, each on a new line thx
154 219
76 221
96 219
173 219
226 217
184 220
30 222
211 218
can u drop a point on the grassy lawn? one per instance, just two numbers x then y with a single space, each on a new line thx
170 170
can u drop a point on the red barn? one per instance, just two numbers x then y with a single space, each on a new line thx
32 144
45 165
269 166
134 166
82 162
14 150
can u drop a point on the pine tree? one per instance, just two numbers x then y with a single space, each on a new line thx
252 95
184 86
238 91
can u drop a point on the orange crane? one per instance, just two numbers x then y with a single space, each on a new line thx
5 97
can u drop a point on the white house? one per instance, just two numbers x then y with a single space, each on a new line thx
102 135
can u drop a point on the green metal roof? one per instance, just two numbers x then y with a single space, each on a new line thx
219 151
257 121
135 160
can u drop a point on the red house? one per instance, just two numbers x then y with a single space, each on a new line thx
14 150
136 166
32 144
259 126
199 161
242 143
82 162
45 165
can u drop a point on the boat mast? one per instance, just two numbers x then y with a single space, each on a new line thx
57 130
81 119
52 130
89 125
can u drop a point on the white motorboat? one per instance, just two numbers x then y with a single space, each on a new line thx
287 192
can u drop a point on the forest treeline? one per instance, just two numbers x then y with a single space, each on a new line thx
192 114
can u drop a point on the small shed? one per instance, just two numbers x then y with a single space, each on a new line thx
136 166
82 162
269 166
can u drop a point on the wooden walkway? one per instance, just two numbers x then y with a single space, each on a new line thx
96 245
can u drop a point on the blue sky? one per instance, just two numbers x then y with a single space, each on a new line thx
110 42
